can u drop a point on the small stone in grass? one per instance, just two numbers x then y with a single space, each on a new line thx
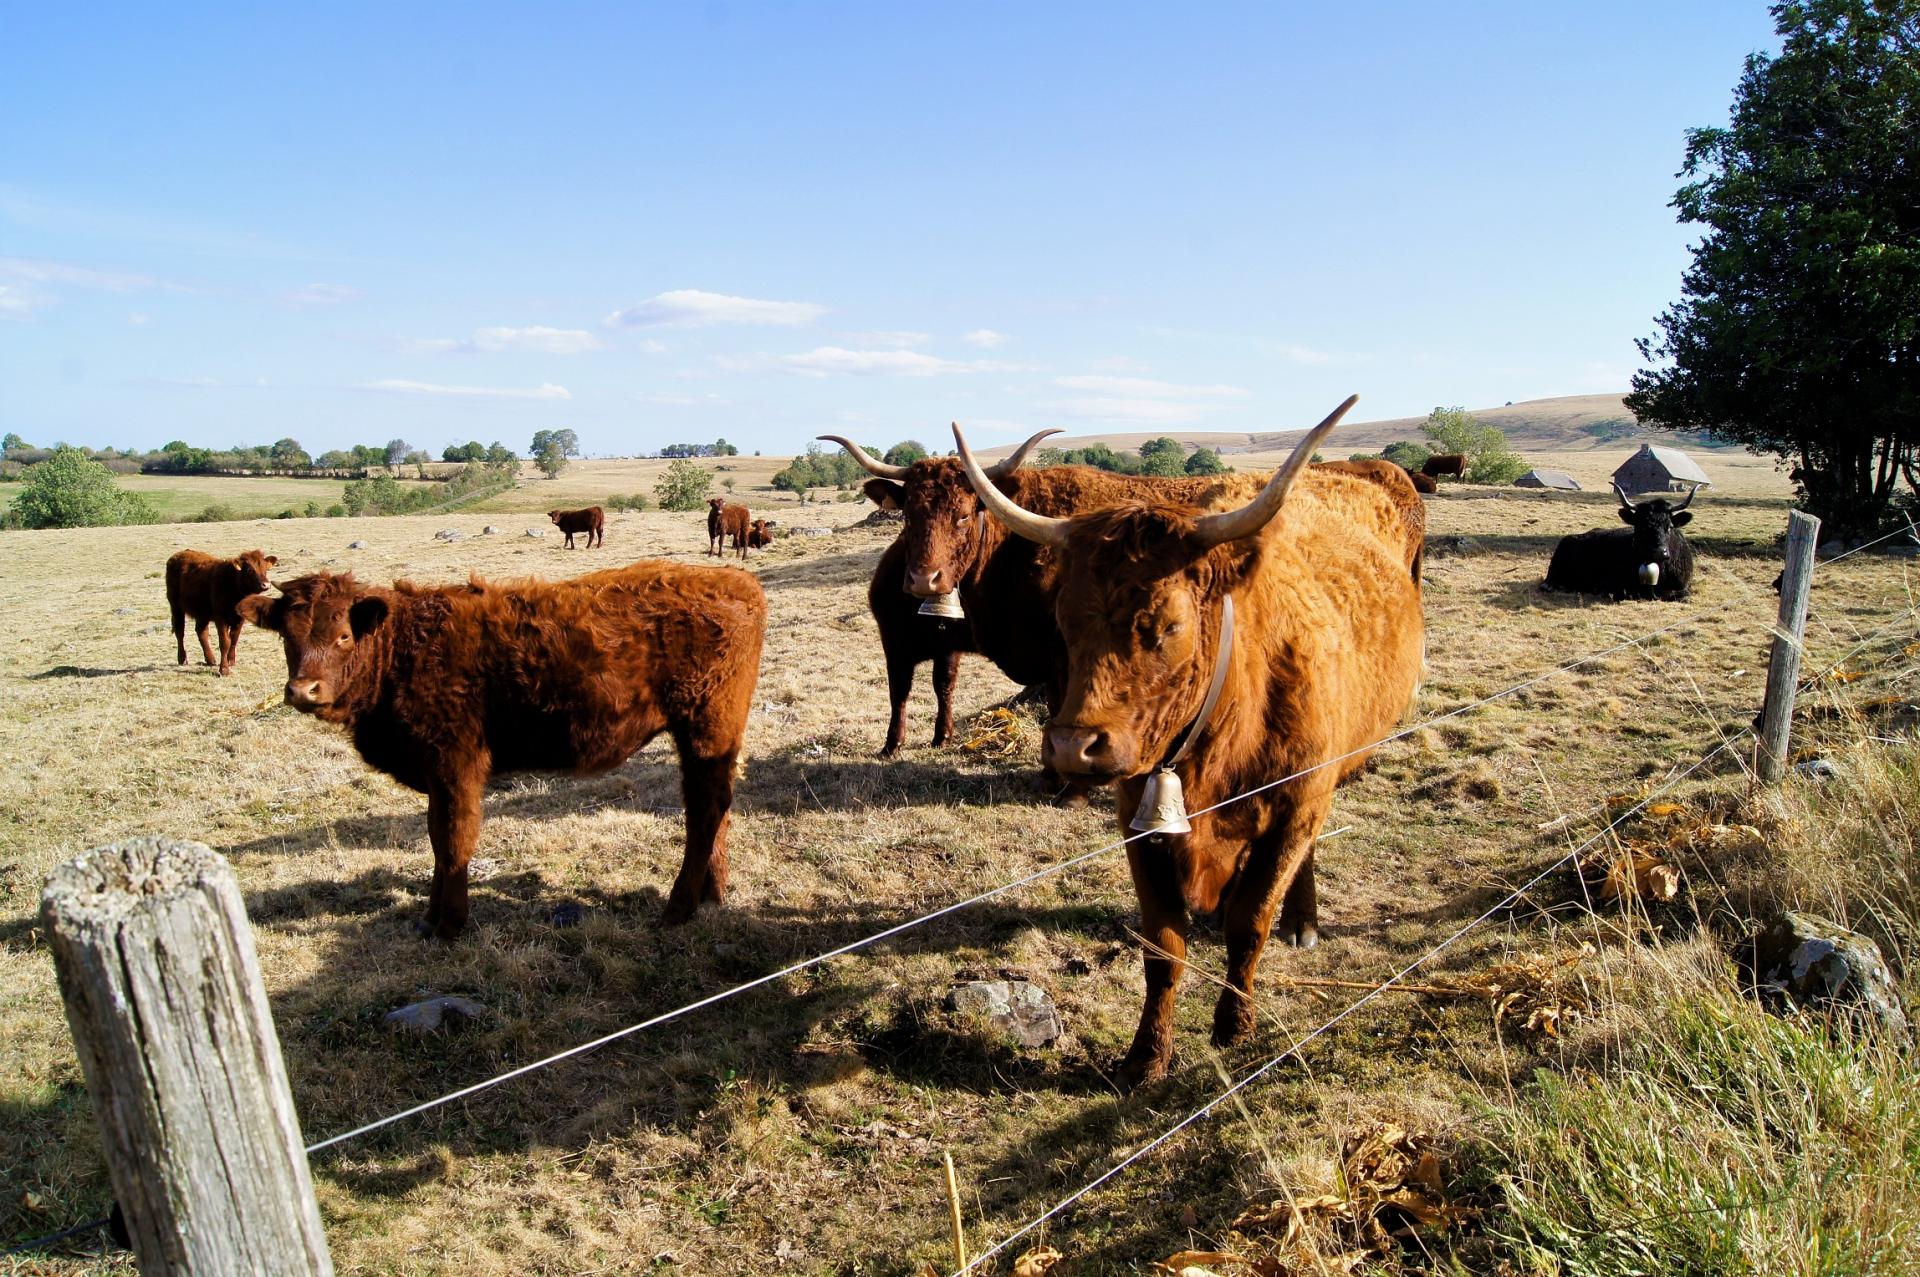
430 1015
356 545
1015 1007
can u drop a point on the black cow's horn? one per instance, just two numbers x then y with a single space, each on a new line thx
1229 525
1689 501
880 468
1039 528
1625 502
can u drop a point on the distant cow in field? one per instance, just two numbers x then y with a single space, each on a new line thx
445 687
592 521
1319 667
1423 483
209 590
760 534
728 524
1648 559
1442 463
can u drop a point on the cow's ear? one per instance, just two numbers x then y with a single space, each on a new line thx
366 615
1626 516
272 559
265 611
884 493
1683 518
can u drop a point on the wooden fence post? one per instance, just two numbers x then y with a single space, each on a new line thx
156 964
1783 671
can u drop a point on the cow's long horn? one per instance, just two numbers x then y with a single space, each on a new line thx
1039 528
859 454
1001 469
1691 492
1229 525
1625 502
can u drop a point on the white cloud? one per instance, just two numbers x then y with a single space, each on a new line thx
986 337
39 271
693 308
538 339
827 361
15 302
394 385
1156 411
1147 387
320 295
894 339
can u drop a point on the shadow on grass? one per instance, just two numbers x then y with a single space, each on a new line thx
89 671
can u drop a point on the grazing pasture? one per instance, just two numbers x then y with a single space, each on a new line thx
799 1127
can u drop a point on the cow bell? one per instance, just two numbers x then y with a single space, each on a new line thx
1649 575
946 606
1163 805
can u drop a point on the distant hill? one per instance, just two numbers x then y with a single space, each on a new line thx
1567 423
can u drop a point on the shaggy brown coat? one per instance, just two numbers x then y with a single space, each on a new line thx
1405 495
1423 483
592 521
445 687
209 590
1325 661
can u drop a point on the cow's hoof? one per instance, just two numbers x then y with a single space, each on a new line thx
1304 936
183 659
1232 1020
441 931
888 752
677 914
1131 1074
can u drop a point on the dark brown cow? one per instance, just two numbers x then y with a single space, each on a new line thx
907 640
760 534
727 521
592 521
445 687
1444 463
1402 491
210 590
1325 661
1423 483
1005 585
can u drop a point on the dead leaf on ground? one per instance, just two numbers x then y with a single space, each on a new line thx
996 733
1037 1262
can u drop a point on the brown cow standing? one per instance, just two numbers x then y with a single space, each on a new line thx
727 521
592 521
1453 463
907 640
1004 583
445 687
1325 661
209 590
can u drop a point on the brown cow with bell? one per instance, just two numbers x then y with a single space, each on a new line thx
1295 596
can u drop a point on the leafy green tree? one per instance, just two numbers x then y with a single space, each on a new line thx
1798 328
905 453
499 455
684 486
69 491
12 443
1206 461
1407 454
1489 459
551 459
396 451
287 454
1163 456
338 459
471 450
721 448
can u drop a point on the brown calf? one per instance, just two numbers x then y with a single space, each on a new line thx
592 521
443 688
727 521
760 534
210 590
1423 483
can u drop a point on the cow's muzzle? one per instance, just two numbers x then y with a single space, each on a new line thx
1085 751
306 695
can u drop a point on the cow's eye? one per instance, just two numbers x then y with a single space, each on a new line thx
343 640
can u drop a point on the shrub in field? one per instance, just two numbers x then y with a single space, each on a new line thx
336 511
1406 454
1206 461
684 486
632 501
1489 459
218 512
69 491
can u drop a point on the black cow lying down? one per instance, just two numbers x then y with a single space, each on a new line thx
1648 559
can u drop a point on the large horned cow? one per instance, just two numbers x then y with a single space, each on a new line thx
1005 585
1325 662
1647 559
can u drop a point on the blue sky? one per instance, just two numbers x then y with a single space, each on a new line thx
765 221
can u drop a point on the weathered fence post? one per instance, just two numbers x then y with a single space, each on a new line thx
171 1022
1783 671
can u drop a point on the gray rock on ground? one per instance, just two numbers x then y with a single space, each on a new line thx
489 531
1820 964
1017 1008
536 532
356 545
448 534
430 1015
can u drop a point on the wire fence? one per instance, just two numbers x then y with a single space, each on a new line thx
1060 867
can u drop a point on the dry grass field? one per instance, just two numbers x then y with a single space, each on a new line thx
798 1128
